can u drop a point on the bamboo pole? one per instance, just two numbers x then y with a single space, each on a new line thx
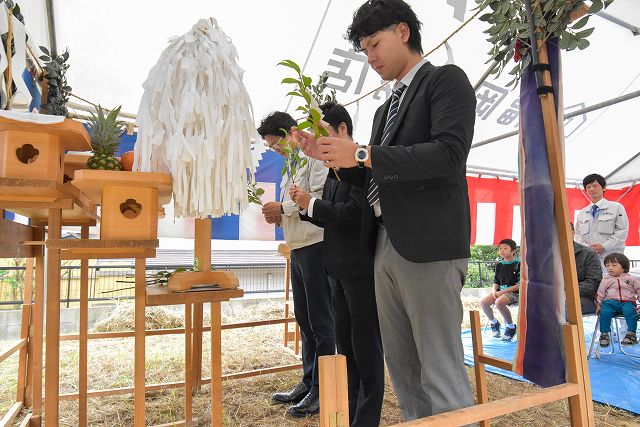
581 406
8 74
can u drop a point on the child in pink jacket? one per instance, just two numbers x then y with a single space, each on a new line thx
618 294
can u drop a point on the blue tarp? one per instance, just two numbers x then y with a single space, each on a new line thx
615 378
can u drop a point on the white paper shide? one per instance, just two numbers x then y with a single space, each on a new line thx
196 122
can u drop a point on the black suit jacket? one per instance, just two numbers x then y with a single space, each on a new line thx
421 173
339 212
589 276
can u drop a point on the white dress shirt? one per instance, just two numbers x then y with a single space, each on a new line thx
298 233
406 80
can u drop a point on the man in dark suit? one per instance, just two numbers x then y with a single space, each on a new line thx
589 272
414 175
350 270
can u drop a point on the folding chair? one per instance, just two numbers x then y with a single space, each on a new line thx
614 336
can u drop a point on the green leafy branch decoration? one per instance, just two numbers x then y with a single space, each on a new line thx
254 193
509 29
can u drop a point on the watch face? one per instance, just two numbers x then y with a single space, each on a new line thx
361 154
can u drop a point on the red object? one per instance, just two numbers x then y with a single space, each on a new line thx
504 194
127 161
516 55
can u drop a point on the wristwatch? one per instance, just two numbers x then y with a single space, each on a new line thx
361 155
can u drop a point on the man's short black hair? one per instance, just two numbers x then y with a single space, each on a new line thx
620 259
376 15
589 179
334 114
509 243
274 123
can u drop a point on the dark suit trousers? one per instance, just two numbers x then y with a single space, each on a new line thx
358 338
312 308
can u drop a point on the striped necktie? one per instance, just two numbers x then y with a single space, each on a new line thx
373 196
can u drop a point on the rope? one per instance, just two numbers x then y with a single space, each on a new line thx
313 43
471 18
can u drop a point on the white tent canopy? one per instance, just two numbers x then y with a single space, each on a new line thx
114 44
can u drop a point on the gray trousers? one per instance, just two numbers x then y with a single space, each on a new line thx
420 313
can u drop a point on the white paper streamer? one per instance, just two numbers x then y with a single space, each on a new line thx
196 122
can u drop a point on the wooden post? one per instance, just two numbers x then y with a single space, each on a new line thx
25 326
287 285
188 362
139 370
478 367
216 364
202 251
334 392
52 342
84 325
8 72
581 405
34 373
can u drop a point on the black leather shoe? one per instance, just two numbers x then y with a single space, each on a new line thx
310 405
294 395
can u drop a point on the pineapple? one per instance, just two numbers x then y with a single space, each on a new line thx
105 133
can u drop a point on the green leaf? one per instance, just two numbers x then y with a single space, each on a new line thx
260 191
45 51
573 44
486 17
306 97
306 80
304 125
583 44
315 115
584 33
289 80
294 93
289 63
596 6
581 23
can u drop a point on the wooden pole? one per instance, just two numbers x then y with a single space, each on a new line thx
478 366
139 370
25 326
52 343
36 342
84 326
202 251
188 361
581 406
216 365
334 392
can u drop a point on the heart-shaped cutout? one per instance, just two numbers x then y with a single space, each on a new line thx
130 208
27 154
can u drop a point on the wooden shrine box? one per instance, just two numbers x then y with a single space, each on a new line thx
129 213
36 151
130 201
73 162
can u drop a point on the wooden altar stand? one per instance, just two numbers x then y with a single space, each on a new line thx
31 184
131 203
